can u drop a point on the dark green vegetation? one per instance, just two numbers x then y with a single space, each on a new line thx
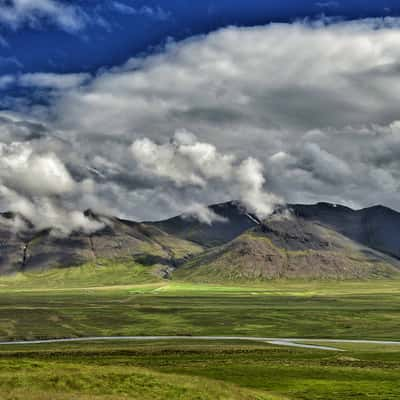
188 370
93 274
348 310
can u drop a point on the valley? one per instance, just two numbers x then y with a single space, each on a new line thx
326 297
189 368
331 310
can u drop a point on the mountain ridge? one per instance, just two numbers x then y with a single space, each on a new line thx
321 241
287 246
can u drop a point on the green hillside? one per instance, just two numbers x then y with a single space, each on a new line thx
290 249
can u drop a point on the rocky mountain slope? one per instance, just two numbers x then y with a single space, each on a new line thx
29 249
289 247
235 220
377 227
321 241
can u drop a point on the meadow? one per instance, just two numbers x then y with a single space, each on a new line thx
105 305
202 371
347 310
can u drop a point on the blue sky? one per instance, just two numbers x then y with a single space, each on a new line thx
113 31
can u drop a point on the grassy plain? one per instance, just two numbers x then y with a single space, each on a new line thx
187 370
343 310
99 274
138 303
350 310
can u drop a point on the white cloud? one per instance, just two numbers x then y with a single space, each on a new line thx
157 13
36 185
6 81
16 13
251 189
187 162
52 81
202 213
306 112
32 173
124 8
184 160
257 77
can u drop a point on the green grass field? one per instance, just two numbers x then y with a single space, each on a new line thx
348 310
131 300
186 370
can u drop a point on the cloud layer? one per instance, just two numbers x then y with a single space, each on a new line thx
186 162
306 112
17 13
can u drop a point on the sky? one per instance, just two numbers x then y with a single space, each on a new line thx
147 109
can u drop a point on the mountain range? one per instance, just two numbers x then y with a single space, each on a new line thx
321 241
